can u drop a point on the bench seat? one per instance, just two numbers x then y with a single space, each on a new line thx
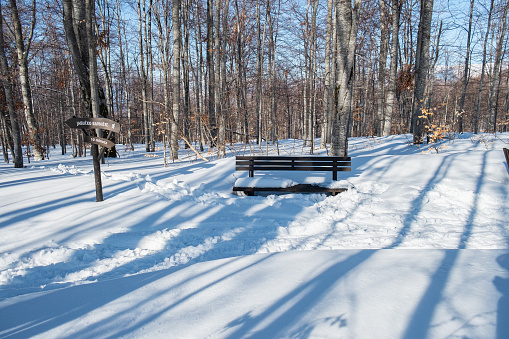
288 163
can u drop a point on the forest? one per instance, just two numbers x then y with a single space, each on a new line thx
215 72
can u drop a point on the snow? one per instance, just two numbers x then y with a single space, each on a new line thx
264 182
417 247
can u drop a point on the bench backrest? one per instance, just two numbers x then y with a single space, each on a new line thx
293 163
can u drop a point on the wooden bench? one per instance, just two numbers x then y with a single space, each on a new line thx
292 163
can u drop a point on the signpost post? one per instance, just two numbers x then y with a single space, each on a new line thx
93 124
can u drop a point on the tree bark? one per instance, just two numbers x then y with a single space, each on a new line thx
94 92
175 80
26 90
421 68
347 24
495 81
466 69
483 68
9 98
384 43
211 73
328 80
218 86
391 86
143 73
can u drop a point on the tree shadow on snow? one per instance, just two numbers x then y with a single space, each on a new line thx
421 320
419 202
502 286
302 300
205 228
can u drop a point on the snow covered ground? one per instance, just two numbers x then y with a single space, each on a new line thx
417 247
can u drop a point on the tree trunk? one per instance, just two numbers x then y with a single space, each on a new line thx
483 68
466 70
272 70
175 80
328 88
347 24
260 46
211 74
9 98
150 77
312 68
384 43
26 91
241 92
143 73
200 87
421 68
94 92
495 81
74 17
391 86
186 70
219 90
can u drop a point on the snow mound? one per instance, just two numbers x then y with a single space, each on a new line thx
63 169
265 182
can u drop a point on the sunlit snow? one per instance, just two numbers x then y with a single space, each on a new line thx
418 247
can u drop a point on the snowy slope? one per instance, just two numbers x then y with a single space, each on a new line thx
416 247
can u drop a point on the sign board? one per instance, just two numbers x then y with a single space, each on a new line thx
96 123
99 141
93 123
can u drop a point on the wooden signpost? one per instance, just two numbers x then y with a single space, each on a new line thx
96 124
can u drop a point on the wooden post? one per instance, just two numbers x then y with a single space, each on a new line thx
97 173
251 170
506 153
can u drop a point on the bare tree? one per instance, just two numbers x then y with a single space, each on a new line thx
22 50
9 98
211 73
218 90
384 43
175 80
495 80
391 86
94 89
260 47
347 25
466 70
142 15
421 68
328 79
483 67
